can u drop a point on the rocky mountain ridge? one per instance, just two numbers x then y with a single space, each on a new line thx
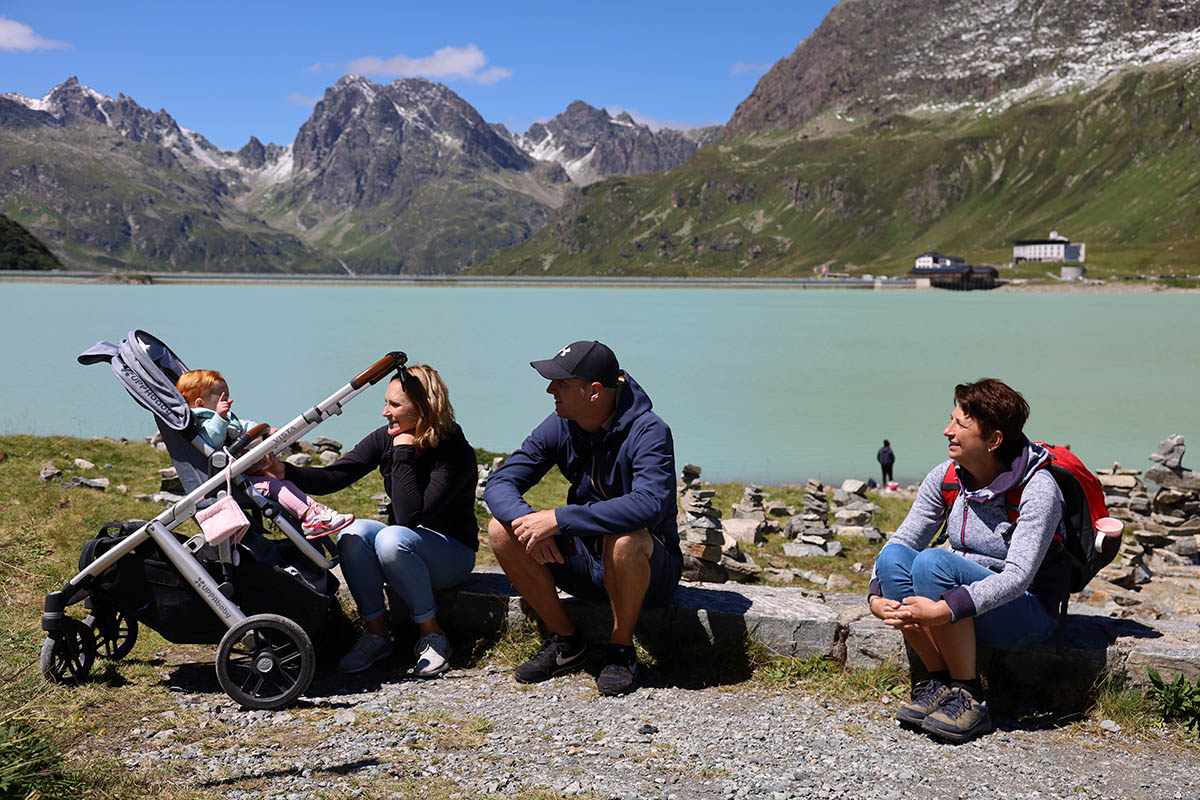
910 125
871 58
385 178
592 145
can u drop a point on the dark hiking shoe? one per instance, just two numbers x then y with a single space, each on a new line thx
620 673
557 655
926 697
959 718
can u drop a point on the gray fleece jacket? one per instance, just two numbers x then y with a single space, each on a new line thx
979 529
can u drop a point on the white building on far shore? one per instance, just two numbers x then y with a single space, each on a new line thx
934 260
1055 248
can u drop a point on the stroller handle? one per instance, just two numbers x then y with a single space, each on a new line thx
394 360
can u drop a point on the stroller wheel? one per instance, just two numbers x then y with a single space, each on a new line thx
265 661
68 653
115 632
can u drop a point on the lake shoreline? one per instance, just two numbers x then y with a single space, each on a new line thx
555 282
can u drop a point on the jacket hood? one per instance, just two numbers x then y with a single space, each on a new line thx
1027 462
633 403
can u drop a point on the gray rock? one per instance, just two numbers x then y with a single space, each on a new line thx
846 516
704 536
837 583
83 463
741 569
325 443
833 548
749 512
327 457
49 472
1183 479
299 460
1170 452
698 571
854 486
802 550
746 531
867 532
79 482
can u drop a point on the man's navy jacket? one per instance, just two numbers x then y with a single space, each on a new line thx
622 479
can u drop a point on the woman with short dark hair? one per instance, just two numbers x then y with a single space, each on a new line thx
994 585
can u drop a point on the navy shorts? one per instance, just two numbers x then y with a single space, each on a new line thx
582 573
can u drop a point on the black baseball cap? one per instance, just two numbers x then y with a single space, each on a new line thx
589 361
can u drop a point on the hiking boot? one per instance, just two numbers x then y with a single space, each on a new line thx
926 697
959 718
322 520
433 655
366 651
620 673
557 655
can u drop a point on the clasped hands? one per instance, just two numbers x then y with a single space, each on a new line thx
536 531
914 612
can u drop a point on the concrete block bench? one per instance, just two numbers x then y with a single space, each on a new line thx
797 622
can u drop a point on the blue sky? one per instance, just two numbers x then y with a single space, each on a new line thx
229 70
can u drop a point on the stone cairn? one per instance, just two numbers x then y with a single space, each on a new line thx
710 552
853 513
810 532
485 472
1163 524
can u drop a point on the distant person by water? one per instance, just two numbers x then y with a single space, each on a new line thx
886 459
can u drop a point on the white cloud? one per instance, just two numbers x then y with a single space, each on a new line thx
741 67
657 124
19 36
320 66
297 99
466 63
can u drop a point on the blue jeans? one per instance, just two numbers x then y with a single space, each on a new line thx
904 572
413 561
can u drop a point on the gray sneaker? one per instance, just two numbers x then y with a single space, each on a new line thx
366 651
433 655
960 717
926 697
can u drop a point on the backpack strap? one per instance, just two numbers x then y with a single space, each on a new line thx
950 487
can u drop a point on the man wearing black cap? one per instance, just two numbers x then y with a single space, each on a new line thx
615 540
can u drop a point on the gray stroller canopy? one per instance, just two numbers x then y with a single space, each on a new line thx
148 370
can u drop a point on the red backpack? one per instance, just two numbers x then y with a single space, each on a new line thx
1083 504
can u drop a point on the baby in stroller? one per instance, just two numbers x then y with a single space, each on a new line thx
207 393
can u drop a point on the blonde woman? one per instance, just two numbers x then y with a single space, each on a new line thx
431 535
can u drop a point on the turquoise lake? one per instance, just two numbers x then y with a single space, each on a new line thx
767 385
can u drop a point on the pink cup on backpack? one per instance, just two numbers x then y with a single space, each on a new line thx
1107 528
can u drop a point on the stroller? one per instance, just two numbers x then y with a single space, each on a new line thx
261 600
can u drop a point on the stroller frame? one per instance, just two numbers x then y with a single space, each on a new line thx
263 660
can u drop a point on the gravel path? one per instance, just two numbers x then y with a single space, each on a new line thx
475 732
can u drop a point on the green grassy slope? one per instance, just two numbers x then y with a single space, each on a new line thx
1118 168
134 208
19 249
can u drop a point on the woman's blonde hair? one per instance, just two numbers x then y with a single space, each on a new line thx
196 383
432 400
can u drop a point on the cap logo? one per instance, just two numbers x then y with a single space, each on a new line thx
564 351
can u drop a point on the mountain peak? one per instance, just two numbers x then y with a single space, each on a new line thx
942 54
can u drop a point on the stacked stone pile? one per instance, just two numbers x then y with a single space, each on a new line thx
485 471
853 513
1175 507
809 531
328 450
700 529
751 506
711 550
1162 525
689 477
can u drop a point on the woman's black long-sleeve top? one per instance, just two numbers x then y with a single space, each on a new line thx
435 489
